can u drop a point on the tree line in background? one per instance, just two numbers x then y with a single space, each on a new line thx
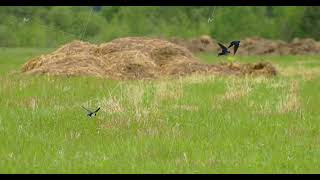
53 26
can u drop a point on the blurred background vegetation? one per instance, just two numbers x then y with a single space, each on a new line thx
53 26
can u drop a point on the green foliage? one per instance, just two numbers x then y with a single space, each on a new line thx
311 22
53 26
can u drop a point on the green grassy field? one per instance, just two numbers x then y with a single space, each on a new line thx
195 124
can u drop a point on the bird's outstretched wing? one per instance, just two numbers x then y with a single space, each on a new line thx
222 46
97 110
231 44
235 49
86 109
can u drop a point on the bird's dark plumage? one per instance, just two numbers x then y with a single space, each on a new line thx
90 113
236 45
224 50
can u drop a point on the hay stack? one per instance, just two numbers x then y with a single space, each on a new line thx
261 46
304 46
123 58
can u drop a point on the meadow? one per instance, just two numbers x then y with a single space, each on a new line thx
193 124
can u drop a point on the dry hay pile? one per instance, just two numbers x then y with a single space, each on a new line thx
305 46
261 46
131 58
254 46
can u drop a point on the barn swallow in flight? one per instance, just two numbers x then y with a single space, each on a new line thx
91 113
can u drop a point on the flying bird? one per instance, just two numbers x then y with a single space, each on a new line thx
224 50
91 113
236 45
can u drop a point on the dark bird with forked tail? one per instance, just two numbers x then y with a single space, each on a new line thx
91 113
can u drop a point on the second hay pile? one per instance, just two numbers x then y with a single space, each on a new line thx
254 46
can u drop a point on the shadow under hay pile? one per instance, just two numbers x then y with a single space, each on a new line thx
133 58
